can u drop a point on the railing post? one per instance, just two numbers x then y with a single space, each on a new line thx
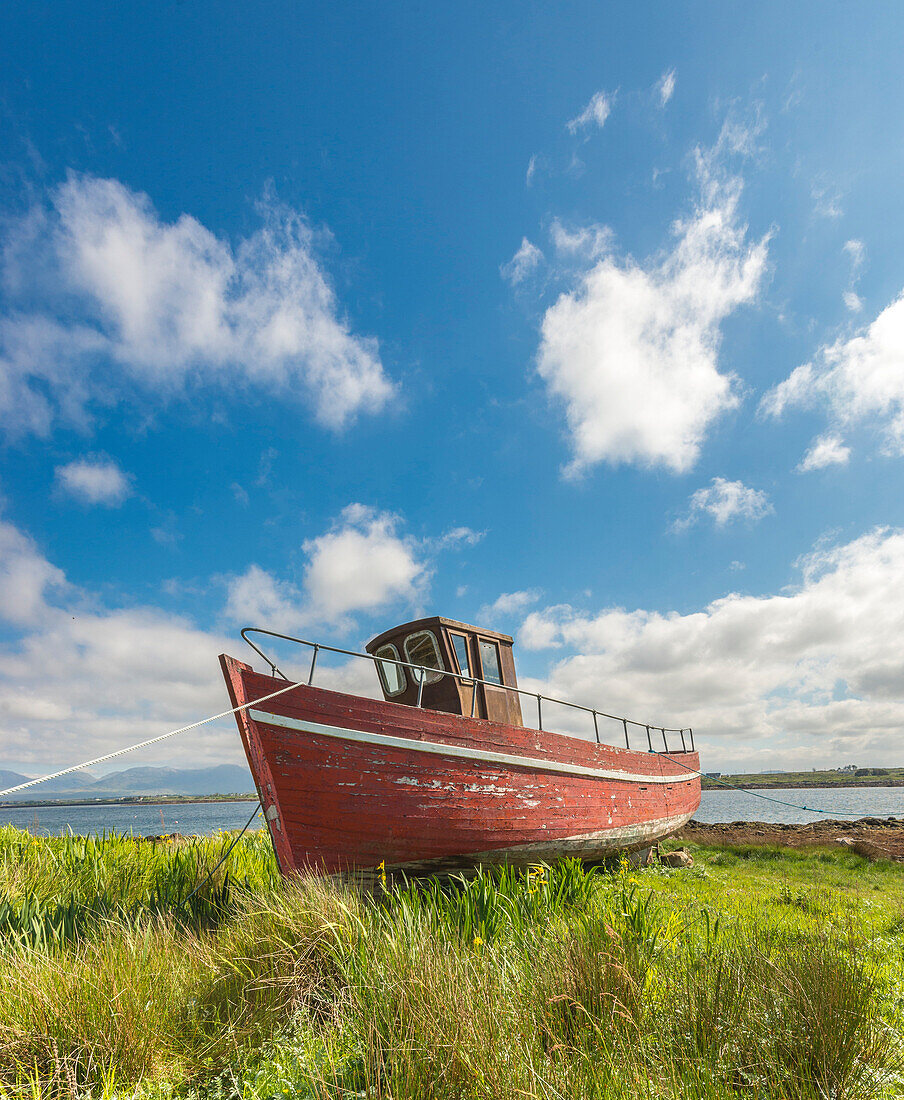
691 732
422 679
665 743
649 739
313 663
539 712
683 745
596 727
474 700
627 738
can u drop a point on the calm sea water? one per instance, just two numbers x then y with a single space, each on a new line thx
199 818
736 805
210 817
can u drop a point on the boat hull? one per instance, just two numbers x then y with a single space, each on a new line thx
349 783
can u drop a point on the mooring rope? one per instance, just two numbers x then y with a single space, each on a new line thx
290 687
765 797
144 744
226 854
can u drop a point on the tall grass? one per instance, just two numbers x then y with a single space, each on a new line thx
559 982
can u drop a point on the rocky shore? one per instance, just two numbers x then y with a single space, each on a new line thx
874 837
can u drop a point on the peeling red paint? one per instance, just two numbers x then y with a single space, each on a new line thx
343 804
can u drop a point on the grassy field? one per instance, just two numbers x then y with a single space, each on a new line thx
863 777
759 972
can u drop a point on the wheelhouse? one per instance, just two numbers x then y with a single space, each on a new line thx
473 669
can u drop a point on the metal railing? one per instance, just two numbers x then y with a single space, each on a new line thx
421 678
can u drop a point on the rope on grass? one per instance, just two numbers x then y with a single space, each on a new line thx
150 741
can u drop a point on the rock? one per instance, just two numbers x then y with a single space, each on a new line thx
681 858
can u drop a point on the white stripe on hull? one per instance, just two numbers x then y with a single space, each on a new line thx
438 748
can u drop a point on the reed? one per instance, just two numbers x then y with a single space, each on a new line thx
557 982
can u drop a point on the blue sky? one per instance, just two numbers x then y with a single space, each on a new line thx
581 321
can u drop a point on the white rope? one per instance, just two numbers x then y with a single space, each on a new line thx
142 744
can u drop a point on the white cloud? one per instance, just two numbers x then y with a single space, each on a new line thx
594 114
525 261
826 201
94 481
856 251
827 450
362 564
26 578
508 603
78 679
725 501
161 307
666 87
632 351
859 379
533 166
257 598
455 536
587 242
813 675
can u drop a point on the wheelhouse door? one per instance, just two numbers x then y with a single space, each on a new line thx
495 700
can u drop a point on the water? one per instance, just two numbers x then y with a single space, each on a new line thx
735 805
203 818
199 818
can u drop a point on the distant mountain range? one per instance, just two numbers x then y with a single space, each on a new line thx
222 779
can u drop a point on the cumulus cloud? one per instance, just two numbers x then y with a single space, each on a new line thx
94 481
827 450
156 307
26 578
524 263
78 679
725 501
815 674
508 603
362 564
632 351
666 87
257 598
857 379
594 114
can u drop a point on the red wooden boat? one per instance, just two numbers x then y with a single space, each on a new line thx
442 773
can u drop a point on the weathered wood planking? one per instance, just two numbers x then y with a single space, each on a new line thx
337 804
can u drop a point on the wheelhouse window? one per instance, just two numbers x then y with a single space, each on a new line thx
393 676
489 661
422 649
460 645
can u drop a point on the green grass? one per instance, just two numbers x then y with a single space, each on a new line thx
759 972
863 777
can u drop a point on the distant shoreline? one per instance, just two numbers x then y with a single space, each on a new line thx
892 777
128 800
